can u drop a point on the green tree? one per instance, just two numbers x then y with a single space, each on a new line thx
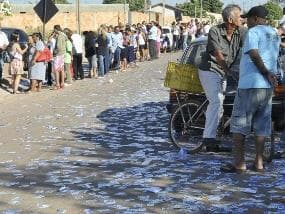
135 5
61 1
275 12
213 6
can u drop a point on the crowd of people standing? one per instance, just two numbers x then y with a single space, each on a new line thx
110 48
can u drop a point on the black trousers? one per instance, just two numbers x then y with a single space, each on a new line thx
49 74
152 48
77 66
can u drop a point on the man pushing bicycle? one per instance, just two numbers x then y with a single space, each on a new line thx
224 43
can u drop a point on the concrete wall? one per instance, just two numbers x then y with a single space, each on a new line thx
139 17
91 16
168 12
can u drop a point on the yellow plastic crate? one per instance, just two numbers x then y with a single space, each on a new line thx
183 77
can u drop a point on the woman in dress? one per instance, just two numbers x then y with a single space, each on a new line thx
38 69
16 66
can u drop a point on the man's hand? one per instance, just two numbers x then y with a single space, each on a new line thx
271 77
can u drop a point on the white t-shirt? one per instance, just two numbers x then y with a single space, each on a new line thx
176 30
77 43
206 29
3 40
51 44
141 39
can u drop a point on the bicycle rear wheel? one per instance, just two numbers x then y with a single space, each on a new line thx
186 126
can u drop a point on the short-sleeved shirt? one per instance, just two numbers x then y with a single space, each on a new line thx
68 52
153 33
217 39
117 40
264 39
40 46
3 40
77 43
60 46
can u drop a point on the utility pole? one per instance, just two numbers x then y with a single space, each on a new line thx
45 14
125 11
201 10
78 16
163 13
149 10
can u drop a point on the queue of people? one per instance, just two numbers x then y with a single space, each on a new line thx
107 49
183 34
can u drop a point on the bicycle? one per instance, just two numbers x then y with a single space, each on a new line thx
187 123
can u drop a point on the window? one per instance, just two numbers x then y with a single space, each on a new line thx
195 54
165 31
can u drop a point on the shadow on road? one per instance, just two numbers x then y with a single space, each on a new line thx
125 164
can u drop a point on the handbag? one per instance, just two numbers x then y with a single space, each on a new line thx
44 56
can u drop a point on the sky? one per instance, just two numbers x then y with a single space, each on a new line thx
244 4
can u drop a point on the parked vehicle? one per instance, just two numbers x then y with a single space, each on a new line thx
23 41
166 32
23 35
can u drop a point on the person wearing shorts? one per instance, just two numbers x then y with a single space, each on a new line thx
59 51
253 101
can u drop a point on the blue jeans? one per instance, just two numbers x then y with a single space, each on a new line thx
1 66
117 58
111 56
101 60
106 63
252 111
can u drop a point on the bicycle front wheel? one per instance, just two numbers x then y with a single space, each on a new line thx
186 126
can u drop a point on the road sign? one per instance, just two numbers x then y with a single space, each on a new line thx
45 9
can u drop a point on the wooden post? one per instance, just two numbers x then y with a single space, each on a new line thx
78 16
163 14
44 22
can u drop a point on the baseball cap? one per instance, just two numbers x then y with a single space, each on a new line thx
259 11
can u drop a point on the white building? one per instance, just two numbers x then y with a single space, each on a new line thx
168 11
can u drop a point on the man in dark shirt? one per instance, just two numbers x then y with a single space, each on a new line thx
224 42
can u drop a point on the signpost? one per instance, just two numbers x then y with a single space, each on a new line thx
45 9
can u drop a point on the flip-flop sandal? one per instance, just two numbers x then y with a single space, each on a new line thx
56 88
17 92
253 168
229 168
